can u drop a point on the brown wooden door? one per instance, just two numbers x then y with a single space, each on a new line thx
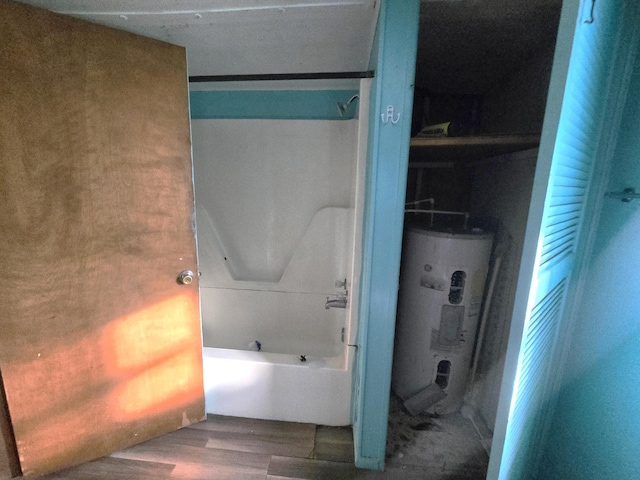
100 345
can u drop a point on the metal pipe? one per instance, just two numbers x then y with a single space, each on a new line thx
483 321
439 212
442 212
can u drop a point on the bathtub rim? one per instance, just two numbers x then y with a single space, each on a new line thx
292 391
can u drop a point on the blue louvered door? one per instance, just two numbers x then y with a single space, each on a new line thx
572 142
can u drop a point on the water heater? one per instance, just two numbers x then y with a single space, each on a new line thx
442 283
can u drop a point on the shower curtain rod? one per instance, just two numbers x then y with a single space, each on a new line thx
280 76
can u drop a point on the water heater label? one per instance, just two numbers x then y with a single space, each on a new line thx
474 307
432 282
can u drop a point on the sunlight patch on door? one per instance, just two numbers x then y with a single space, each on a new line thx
155 358
169 384
151 335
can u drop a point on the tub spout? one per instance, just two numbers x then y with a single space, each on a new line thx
339 302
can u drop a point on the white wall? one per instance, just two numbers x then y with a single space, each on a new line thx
259 185
501 194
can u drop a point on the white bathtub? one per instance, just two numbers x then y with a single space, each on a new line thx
290 325
276 386
301 374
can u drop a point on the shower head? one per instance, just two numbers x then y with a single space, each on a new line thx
342 107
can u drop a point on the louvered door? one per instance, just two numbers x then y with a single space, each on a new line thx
570 147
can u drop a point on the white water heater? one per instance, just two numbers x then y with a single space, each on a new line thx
441 290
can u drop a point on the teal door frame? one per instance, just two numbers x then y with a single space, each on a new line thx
391 102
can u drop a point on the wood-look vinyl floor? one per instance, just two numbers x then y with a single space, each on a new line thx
227 448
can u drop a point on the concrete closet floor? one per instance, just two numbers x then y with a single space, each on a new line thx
448 444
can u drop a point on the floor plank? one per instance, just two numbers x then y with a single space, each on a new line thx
116 469
259 436
194 462
266 444
188 436
334 443
256 426
295 468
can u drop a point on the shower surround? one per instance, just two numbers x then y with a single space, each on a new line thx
279 213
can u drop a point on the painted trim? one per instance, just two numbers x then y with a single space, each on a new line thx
279 77
387 166
272 104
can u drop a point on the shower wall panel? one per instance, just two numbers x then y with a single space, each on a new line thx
274 203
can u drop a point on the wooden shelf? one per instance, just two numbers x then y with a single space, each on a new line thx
465 149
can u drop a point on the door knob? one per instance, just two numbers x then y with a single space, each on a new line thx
186 277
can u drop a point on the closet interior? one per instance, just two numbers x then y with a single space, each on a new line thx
482 78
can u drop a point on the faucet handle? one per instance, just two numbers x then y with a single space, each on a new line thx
341 283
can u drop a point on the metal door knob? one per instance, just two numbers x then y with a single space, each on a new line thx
186 277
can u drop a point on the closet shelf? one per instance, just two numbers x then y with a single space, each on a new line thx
426 150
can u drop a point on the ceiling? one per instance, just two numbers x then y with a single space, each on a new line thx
469 46
243 37
465 46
